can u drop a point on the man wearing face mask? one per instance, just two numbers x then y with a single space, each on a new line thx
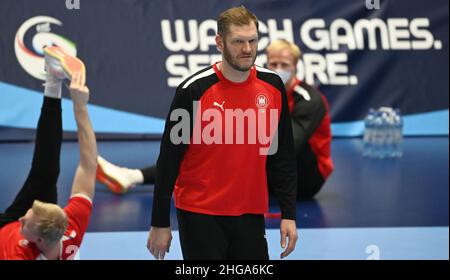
310 120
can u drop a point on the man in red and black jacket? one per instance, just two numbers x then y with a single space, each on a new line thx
310 120
310 117
220 185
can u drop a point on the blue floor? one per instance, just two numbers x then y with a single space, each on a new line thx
400 206
424 243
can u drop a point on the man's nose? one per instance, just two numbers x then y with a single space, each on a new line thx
247 48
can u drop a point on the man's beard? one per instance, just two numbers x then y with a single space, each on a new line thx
233 62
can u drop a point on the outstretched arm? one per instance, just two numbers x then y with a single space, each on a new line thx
84 180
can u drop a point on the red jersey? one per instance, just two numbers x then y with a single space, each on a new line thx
227 178
13 246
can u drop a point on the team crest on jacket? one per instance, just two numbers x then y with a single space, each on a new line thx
262 101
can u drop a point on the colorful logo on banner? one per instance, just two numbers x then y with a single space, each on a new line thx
32 59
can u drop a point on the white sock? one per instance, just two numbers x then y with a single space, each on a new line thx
135 176
52 86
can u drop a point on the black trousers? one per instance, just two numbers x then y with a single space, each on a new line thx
149 174
310 180
41 181
207 237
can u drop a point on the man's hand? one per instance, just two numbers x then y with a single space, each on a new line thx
288 229
78 90
158 242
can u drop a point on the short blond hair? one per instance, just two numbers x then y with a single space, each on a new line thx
239 16
52 221
281 44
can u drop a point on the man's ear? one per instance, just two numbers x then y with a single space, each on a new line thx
219 42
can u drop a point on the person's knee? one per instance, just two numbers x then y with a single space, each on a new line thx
308 191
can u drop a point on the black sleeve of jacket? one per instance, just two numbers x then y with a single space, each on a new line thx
169 160
306 116
281 167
